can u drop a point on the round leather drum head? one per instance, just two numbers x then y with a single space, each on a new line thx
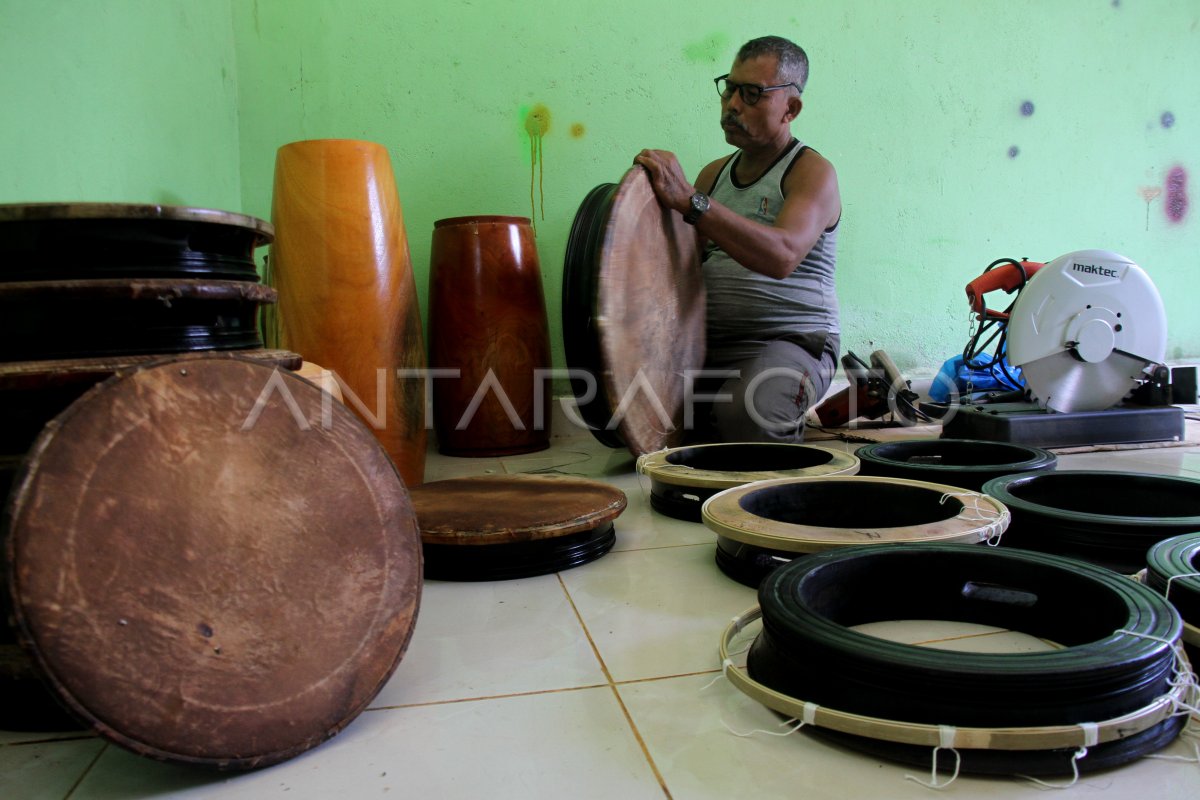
212 562
495 527
63 241
633 314
34 392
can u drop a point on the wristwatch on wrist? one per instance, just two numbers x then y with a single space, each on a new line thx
699 206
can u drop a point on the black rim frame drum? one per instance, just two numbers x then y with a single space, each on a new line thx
1015 713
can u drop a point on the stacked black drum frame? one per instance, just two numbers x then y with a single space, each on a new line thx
1173 569
1110 693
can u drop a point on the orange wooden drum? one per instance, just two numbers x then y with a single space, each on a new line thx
347 298
487 321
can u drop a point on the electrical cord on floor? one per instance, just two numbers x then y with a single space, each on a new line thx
843 437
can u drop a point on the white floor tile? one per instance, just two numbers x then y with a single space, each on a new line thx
657 612
492 638
575 744
1183 461
37 771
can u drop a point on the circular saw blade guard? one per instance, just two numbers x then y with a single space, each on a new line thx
1084 330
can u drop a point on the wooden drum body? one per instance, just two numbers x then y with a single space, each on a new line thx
211 562
347 297
633 315
761 526
681 479
487 320
497 527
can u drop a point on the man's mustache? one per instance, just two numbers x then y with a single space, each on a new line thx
730 119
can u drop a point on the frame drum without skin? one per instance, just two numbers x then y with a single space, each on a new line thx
959 462
487 320
681 479
1110 683
77 241
761 526
496 527
112 317
1107 518
212 562
633 315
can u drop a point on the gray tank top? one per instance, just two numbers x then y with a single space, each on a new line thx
746 309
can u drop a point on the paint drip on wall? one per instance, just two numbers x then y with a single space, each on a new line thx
1148 194
1175 203
537 123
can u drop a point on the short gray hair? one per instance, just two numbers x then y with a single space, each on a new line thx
793 61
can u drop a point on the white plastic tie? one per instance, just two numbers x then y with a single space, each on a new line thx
1185 694
974 512
644 457
1173 578
797 726
946 736
1091 733
726 665
1079 754
809 713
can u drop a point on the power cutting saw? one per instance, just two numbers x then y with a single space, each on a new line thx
1086 329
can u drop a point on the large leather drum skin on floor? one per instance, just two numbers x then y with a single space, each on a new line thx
212 562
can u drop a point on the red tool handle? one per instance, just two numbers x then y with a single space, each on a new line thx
1008 277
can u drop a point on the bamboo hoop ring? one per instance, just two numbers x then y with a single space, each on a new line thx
725 514
1050 737
660 466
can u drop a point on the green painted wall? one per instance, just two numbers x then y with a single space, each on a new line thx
918 104
119 100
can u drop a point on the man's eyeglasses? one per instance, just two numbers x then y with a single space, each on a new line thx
751 92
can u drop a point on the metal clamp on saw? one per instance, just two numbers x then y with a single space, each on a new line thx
874 390
1086 331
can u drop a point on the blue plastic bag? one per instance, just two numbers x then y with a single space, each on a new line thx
953 377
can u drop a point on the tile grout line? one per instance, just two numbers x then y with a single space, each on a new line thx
616 694
87 770
482 697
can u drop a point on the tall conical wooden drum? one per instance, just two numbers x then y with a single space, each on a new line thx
487 320
347 298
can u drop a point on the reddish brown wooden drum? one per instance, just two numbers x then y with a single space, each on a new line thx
212 562
496 527
487 320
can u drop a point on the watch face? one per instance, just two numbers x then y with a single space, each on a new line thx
700 202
